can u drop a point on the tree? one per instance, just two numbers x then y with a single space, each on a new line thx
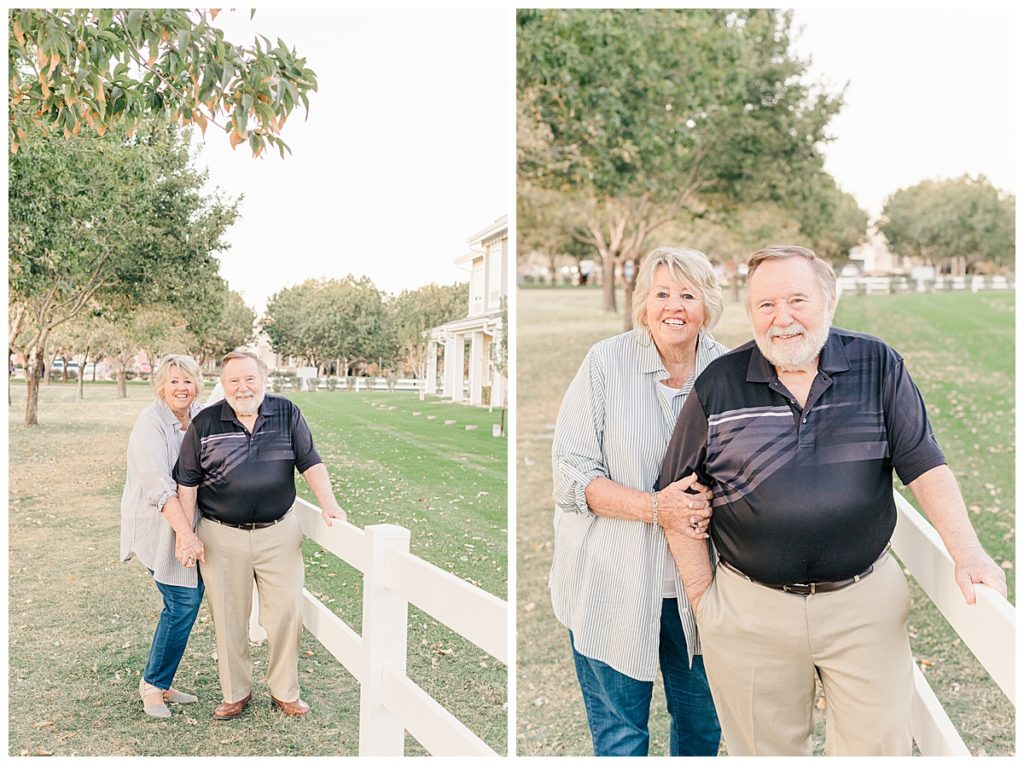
413 312
95 69
644 116
323 320
111 221
225 323
938 220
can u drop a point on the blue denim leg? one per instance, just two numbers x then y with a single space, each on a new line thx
181 606
694 731
618 707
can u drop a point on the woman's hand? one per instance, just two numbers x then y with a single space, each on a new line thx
685 513
189 550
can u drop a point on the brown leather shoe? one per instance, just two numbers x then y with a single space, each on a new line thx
296 708
226 711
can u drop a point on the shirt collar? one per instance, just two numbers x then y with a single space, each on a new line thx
833 359
650 359
167 417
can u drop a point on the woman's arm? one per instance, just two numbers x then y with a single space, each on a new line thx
186 542
677 509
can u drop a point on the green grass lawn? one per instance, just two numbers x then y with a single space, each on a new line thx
959 349
80 621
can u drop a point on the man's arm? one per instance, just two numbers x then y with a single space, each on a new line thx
938 495
180 513
686 455
318 480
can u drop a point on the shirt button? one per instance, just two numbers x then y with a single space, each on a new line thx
804 419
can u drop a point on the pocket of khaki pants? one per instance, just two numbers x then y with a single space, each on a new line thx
702 606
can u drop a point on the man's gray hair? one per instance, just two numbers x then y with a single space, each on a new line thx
185 364
244 354
822 270
684 265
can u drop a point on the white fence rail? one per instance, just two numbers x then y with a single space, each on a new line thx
390 703
987 628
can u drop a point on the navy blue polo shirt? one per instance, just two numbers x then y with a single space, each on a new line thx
804 495
246 477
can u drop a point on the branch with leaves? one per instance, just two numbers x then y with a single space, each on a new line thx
94 69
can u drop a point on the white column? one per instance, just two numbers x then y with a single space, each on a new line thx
385 628
497 389
431 368
450 362
477 367
454 364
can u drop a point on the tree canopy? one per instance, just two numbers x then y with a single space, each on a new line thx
322 320
111 222
964 217
413 312
640 117
94 69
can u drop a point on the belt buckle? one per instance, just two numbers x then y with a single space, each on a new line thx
803 589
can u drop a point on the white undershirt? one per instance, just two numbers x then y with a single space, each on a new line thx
668 587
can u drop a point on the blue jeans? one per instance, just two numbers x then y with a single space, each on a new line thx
181 606
618 707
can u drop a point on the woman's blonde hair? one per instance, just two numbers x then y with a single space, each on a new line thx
684 265
186 364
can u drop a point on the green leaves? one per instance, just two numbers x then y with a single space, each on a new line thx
965 217
167 63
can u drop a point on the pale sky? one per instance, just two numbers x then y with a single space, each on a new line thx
405 155
931 95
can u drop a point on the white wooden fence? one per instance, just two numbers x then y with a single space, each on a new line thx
987 627
389 702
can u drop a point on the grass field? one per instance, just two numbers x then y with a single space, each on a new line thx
959 349
80 621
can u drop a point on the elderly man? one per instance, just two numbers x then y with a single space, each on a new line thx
238 461
798 433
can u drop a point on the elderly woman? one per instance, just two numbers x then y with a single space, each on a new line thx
154 527
613 582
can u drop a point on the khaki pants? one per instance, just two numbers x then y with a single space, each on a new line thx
271 557
762 648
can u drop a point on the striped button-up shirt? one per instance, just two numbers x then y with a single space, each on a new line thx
606 576
152 451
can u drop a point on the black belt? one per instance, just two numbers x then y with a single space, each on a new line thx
247 526
806 588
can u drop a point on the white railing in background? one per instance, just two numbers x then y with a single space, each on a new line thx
886 285
987 627
390 703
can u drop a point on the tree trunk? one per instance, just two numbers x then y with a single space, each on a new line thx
122 383
32 359
628 287
64 371
81 374
608 286
46 367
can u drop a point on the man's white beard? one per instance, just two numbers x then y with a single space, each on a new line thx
246 406
795 355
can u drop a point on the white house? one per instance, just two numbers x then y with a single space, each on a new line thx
487 261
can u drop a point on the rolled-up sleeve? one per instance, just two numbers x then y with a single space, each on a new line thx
577 454
147 463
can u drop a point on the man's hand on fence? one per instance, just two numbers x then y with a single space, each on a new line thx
333 512
981 569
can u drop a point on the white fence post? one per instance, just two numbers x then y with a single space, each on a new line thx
385 626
